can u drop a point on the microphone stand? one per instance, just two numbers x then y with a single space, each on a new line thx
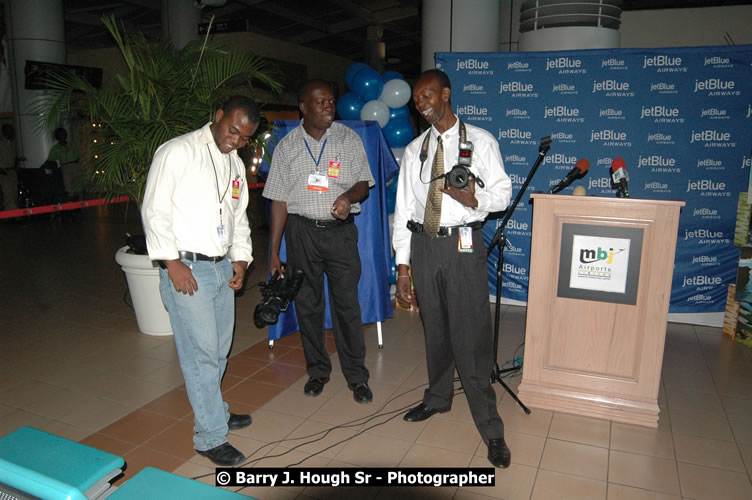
500 240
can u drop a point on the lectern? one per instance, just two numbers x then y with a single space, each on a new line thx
598 298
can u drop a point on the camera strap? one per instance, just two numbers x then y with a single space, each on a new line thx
424 150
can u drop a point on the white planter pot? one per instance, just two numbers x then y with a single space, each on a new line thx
142 274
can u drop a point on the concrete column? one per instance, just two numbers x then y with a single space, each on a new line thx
458 26
180 19
35 33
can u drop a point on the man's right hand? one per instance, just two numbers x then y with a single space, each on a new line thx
404 287
275 265
181 277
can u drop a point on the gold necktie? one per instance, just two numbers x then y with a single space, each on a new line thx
432 216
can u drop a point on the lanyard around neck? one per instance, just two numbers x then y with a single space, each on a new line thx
315 161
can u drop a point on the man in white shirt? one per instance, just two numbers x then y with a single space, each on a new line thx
437 228
194 216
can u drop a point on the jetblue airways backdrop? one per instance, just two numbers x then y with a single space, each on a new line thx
680 119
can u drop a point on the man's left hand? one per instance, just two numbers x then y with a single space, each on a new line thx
238 276
465 196
341 208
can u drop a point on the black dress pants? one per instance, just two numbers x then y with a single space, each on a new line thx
452 292
334 251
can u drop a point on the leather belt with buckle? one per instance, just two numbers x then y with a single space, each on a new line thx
417 228
324 223
194 256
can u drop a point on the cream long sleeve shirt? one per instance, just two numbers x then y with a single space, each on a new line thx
190 193
412 189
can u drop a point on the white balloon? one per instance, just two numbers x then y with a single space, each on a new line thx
398 152
396 93
375 110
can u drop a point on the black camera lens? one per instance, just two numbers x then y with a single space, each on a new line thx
458 177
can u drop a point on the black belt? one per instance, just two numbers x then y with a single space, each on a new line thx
329 223
417 227
194 256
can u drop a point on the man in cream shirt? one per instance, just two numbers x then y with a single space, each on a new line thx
194 216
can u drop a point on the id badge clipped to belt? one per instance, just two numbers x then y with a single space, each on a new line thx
465 242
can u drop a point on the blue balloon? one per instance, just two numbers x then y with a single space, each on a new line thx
391 75
398 133
352 71
349 106
400 113
367 84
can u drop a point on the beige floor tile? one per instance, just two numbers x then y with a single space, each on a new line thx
341 409
641 471
641 440
67 431
97 414
513 483
455 436
550 485
705 483
417 493
691 400
584 430
736 407
395 427
576 459
742 429
317 438
293 402
136 393
367 450
527 449
428 456
708 452
701 424
269 426
169 375
538 422
746 452
621 492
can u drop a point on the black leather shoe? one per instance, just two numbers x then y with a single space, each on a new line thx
225 455
239 421
422 412
314 386
498 453
361 392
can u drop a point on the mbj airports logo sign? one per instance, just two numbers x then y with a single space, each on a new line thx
599 263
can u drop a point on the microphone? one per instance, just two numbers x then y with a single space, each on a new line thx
579 170
620 177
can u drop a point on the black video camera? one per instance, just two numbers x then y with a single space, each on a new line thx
277 293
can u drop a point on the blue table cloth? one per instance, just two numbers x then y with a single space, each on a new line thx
373 230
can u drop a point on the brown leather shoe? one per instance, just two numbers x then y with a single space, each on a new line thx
498 453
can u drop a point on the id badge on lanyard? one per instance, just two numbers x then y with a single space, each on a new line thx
465 243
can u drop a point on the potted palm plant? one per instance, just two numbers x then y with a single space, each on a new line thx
164 92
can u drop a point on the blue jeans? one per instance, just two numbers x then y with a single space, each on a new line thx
202 325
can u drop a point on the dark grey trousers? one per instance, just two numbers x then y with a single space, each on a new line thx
452 291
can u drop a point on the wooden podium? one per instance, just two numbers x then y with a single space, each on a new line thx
598 298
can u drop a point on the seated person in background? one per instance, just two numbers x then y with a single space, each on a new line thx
66 157
8 178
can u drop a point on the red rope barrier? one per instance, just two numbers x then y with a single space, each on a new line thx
73 205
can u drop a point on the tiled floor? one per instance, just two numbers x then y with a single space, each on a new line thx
74 363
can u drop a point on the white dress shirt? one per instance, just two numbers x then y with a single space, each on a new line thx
412 189
188 177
